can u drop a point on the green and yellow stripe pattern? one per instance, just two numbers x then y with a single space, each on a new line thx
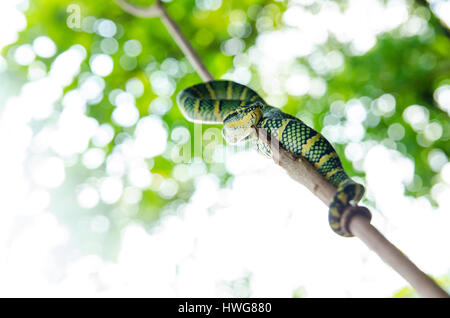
214 101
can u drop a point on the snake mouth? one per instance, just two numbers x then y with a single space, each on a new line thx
237 135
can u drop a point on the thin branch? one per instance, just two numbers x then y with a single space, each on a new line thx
144 12
356 219
391 255
299 169
159 10
185 45
440 24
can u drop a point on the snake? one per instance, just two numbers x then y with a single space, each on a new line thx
240 109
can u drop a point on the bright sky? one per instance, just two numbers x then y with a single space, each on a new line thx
264 227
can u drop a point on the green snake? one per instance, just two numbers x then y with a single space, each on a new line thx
240 108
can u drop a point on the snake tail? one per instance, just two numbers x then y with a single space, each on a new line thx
348 193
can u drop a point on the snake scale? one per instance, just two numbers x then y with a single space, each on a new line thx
239 109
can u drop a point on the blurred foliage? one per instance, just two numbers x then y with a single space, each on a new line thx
408 68
300 292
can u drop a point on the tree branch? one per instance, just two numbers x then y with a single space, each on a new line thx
159 10
440 24
355 219
391 255
144 12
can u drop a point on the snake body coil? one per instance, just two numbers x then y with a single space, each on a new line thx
240 108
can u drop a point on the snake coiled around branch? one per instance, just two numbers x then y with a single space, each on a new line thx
240 109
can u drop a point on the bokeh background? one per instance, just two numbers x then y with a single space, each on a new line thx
105 189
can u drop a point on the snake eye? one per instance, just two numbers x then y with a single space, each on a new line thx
231 116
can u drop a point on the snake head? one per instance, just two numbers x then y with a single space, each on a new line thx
239 123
